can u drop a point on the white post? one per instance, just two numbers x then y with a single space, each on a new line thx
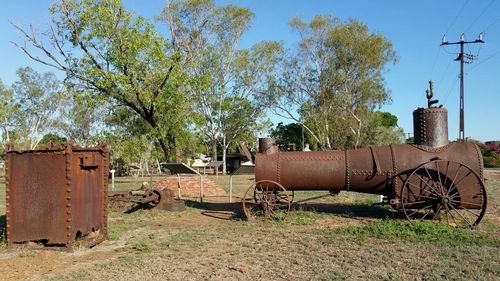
179 185
159 166
112 179
201 189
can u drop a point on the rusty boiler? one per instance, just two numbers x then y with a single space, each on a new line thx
431 179
57 196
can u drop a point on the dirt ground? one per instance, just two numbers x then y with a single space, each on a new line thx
211 241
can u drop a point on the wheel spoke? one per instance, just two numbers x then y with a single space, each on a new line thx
437 211
458 182
469 211
451 215
456 211
428 212
432 190
430 179
466 203
439 177
422 179
423 189
455 177
423 196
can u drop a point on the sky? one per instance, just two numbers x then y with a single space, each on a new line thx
415 29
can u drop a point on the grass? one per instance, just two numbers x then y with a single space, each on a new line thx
418 232
331 238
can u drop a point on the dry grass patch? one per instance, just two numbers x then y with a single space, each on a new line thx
331 238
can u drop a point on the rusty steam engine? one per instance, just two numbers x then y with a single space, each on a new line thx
431 179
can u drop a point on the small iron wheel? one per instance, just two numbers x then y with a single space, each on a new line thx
442 190
267 198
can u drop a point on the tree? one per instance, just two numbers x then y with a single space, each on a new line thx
209 36
215 70
334 81
119 58
53 139
287 134
39 100
7 110
383 130
83 121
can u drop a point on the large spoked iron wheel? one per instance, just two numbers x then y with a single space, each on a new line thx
267 198
447 191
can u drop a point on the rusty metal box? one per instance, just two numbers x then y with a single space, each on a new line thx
57 196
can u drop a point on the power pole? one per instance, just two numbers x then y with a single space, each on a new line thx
462 58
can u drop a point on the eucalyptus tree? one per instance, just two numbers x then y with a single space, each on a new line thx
7 111
333 82
38 99
209 36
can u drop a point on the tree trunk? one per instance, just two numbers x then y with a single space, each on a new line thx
164 148
214 149
224 150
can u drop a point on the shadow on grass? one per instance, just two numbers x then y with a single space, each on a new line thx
348 210
233 211
219 210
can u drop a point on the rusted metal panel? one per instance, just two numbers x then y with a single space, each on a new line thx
34 191
57 196
303 170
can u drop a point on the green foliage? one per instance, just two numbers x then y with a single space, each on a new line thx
410 140
334 80
52 138
35 106
491 154
208 35
386 119
7 110
422 232
288 134
112 56
83 118
383 130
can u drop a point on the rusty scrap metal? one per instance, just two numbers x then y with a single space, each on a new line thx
430 179
131 201
57 196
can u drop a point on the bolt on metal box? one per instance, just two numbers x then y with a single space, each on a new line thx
57 196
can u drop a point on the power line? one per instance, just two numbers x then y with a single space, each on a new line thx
483 61
444 73
480 15
491 24
435 61
452 87
456 17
